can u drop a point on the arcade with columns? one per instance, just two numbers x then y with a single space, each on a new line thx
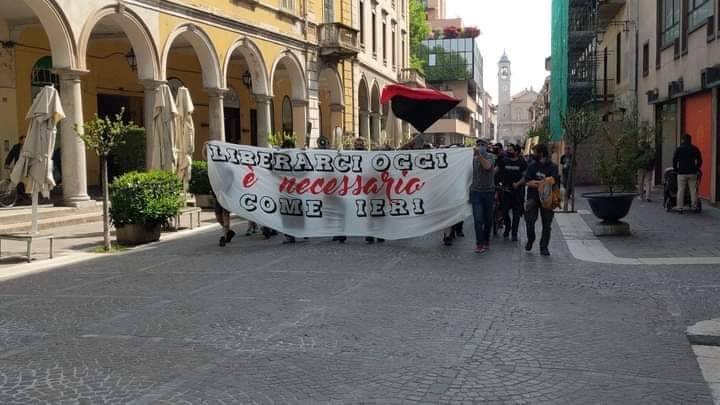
252 68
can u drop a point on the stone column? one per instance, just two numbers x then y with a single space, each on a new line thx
149 115
216 114
264 119
336 120
365 125
72 148
375 127
299 112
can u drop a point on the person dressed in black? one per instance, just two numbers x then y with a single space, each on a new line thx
566 161
223 218
511 172
537 172
688 162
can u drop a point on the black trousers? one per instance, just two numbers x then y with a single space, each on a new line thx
533 209
511 201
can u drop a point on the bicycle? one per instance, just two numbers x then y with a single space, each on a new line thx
8 194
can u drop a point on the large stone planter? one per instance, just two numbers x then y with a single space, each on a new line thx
137 234
205 201
611 208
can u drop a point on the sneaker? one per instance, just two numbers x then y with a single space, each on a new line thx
447 241
544 252
480 248
222 242
460 234
248 232
230 236
529 246
289 240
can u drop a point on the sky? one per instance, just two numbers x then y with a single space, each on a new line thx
521 27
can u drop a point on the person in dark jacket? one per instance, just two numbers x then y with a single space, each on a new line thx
687 162
537 172
511 171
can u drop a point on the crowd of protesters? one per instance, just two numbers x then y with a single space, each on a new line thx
505 187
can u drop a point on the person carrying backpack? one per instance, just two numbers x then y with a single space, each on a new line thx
543 196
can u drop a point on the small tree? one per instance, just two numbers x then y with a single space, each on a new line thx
102 136
579 126
419 31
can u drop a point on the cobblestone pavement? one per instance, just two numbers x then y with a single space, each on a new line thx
317 322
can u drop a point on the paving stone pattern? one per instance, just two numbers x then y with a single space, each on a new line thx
317 322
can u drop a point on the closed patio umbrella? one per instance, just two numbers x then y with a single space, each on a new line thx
185 139
164 156
34 168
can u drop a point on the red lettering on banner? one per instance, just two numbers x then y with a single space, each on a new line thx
354 185
250 179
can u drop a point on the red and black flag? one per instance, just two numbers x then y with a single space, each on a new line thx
419 107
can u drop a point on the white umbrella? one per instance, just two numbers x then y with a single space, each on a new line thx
164 129
185 139
34 168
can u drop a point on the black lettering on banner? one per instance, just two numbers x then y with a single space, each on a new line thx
381 162
246 157
377 208
323 162
292 207
418 206
268 205
361 206
248 202
265 160
424 161
216 154
282 162
357 164
314 208
342 163
302 163
398 208
403 161
232 156
442 161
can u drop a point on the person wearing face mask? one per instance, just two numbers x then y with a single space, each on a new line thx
537 172
511 171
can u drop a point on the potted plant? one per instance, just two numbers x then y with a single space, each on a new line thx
103 136
451 32
142 203
200 185
616 166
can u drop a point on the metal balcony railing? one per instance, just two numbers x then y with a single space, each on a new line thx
338 41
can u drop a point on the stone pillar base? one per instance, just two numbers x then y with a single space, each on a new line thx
605 229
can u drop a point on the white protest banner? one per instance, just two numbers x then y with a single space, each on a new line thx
324 193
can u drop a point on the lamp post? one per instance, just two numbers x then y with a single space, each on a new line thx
131 59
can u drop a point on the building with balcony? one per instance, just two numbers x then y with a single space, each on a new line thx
384 58
454 64
659 58
252 67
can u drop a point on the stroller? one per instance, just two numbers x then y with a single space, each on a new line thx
670 180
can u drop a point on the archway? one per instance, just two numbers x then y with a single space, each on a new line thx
331 105
364 108
288 80
37 40
118 50
376 115
190 56
244 70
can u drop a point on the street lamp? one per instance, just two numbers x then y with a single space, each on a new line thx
131 59
247 79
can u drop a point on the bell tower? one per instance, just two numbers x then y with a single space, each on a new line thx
504 109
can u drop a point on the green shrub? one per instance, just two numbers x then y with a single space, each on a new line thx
150 198
199 180
129 156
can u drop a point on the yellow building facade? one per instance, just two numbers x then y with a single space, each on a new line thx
253 67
